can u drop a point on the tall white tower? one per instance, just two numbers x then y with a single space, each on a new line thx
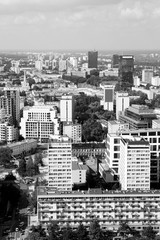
60 163
67 108
122 102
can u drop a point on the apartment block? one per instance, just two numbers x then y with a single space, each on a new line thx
60 162
138 208
151 135
134 164
73 131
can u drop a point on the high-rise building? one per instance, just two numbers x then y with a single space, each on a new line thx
134 165
147 75
108 97
126 69
11 103
62 65
92 59
60 163
39 65
39 122
67 108
122 102
115 61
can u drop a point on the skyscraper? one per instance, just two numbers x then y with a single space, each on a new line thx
115 61
60 163
92 59
126 68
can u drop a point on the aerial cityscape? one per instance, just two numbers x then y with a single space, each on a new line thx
79 120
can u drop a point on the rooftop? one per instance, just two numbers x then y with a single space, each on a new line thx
42 191
76 166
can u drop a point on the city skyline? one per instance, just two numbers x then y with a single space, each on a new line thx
75 24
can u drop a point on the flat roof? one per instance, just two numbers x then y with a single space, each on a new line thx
76 166
42 190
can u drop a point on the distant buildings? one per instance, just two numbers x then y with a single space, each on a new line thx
126 69
60 163
92 59
115 61
147 75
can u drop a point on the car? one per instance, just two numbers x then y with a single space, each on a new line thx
21 224
16 229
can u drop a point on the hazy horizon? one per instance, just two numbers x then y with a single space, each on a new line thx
104 25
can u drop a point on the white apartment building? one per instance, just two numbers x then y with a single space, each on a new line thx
110 208
147 75
152 135
67 108
8 133
39 65
73 131
60 163
134 164
79 172
122 102
39 122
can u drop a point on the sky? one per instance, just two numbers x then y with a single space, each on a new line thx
79 24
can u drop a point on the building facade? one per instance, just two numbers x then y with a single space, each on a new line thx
122 102
73 131
39 122
67 108
134 164
108 97
126 69
60 163
110 208
92 59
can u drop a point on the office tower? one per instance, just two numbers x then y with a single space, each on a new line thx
67 108
115 61
122 102
11 103
126 69
73 131
134 165
60 163
147 75
92 59
39 122
108 97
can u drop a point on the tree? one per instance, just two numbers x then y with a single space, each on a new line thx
95 233
82 233
149 233
5 155
23 94
31 81
69 234
53 231
22 167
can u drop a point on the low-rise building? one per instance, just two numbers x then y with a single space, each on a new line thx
73 131
138 208
88 149
25 146
78 173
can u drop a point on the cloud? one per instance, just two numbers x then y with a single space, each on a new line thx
29 19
